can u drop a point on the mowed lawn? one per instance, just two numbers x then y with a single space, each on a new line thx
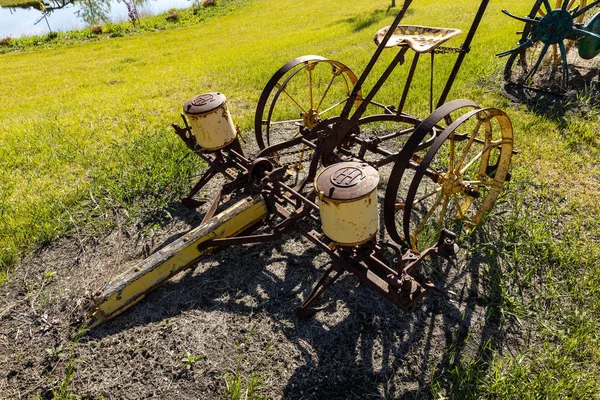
85 136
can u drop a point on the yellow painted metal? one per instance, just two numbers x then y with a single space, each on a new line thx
130 287
213 130
349 212
349 223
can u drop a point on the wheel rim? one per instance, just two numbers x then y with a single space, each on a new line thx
304 94
408 159
460 178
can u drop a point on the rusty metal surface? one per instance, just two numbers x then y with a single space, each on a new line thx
347 181
422 39
204 103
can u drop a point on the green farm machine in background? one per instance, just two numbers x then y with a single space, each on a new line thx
552 38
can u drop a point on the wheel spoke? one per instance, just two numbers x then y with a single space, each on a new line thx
548 6
294 100
428 195
475 158
463 156
459 208
539 61
555 56
310 86
333 106
428 215
451 167
565 70
585 33
585 9
289 121
443 213
477 182
325 93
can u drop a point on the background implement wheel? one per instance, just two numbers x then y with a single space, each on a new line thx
456 182
552 29
300 94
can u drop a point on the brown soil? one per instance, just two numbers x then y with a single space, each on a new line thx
546 96
237 311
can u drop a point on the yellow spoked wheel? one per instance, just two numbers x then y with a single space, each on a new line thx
457 182
302 93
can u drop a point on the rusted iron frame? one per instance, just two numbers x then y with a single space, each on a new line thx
365 268
286 225
465 48
368 263
361 80
284 145
409 79
298 196
398 60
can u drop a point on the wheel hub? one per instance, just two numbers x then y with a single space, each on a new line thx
452 184
554 27
310 118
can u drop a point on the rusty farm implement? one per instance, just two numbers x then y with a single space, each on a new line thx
329 159
555 33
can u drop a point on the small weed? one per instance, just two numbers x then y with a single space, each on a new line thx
48 274
6 41
167 325
189 360
241 383
54 353
61 390
96 29
173 16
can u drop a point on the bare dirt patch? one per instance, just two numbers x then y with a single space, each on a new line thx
545 95
236 311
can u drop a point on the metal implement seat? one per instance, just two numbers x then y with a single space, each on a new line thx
422 39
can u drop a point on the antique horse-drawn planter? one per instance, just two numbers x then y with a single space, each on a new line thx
326 149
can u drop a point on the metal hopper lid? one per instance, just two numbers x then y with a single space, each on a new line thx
204 103
347 181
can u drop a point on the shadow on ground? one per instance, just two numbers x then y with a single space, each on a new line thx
360 345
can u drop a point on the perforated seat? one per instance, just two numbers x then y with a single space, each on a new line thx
421 39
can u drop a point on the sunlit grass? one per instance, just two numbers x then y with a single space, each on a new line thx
8 3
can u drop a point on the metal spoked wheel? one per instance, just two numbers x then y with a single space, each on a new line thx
552 29
455 183
301 94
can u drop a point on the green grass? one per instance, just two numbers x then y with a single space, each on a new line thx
193 15
86 142
8 3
